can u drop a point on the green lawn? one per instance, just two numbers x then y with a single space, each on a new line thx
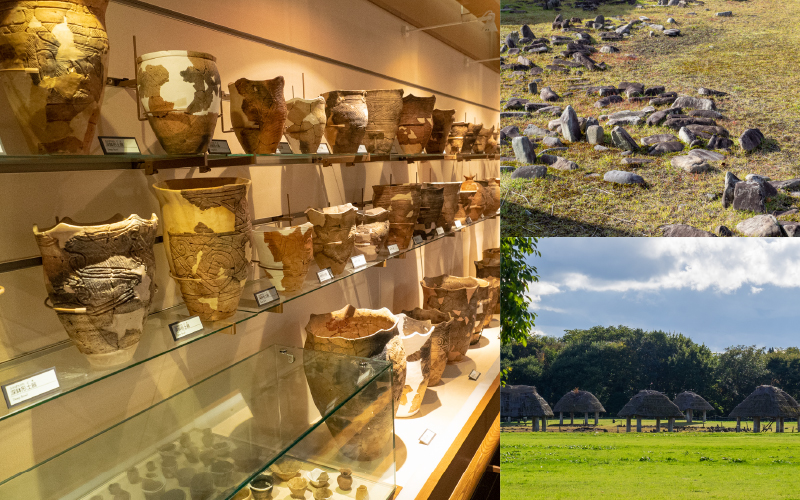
676 466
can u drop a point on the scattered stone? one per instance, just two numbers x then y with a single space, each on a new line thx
570 127
709 92
686 135
707 155
600 148
551 110
530 172
622 139
706 113
608 100
535 106
792 229
760 225
508 133
790 185
636 161
532 88
594 134
661 101
717 142
622 177
684 231
694 103
524 61
548 159
727 13
728 193
784 213
658 117
690 164
552 142
676 122
670 20
548 95
608 49
672 32
665 147
554 125
749 196
511 42
524 150
723 231
625 120
655 139
516 103
564 164
756 178
526 31
707 131
514 114
533 130
751 139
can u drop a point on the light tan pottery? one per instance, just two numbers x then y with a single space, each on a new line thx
305 124
492 196
454 295
362 493
258 112
347 118
442 122
371 236
455 141
384 107
482 304
298 486
285 254
286 468
489 267
403 203
473 129
334 235
440 339
416 123
345 479
449 203
416 337
482 140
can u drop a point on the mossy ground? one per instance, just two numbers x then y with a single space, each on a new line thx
751 56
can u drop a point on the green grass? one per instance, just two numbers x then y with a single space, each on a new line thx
750 55
556 466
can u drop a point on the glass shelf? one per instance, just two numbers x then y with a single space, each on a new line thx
74 371
219 434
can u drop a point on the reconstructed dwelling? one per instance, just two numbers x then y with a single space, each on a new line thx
767 401
690 402
650 404
577 401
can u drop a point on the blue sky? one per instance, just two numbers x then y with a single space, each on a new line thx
717 291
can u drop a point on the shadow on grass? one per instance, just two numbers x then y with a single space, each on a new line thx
519 221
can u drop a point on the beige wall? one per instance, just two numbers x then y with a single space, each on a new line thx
353 31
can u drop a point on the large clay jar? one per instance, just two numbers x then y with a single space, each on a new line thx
285 254
207 239
471 200
492 196
431 202
258 112
489 267
494 299
305 124
334 235
473 129
442 122
358 426
481 302
403 203
492 144
416 337
416 123
384 107
455 141
53 67
440 339
454 295
449 203
371 233
99 278
346 119
180 93
482 140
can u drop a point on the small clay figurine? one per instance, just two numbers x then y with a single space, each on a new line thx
133 475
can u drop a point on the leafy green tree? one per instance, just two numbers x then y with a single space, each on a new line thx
739 371
516 319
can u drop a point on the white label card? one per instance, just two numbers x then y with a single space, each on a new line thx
458 225
2 149
323 149
469 220
325 275
362 149
440 231
480 308
358 261
427 437
284 148
119 145
267 296
35 385
393 249
186 327
219 147
474 374
418 240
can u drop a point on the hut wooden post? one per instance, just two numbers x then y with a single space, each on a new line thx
561 418
756 424
689 416
596 417
586 418
658 425
704 417
738 425
638 423
544 424
571 418
535 424
798 424
671 425
628 429
780 424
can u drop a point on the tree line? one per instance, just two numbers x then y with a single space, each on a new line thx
616 362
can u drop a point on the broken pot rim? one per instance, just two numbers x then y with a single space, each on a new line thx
68 223
172 53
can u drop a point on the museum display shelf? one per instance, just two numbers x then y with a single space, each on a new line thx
269 415
74 371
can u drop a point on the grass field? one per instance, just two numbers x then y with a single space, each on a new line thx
729 466
751 55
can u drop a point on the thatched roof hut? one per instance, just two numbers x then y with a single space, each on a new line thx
522 401
767 401
577 401
689 400
650 404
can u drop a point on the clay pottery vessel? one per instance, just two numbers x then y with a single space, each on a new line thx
482 140
258 112
222 470
442 122
345 479
440 339
285 254
53 69
305 124
297 486
494 299
384 107
455 141
449 203
286 468
202 486
318 478
346 119
243 494
492 196
416 123
403 203
416 337
334 235
371 236
481 301
360 426
207 239
456 296
152 489
323 494
492 146
261 486
431 202
100 281
180 93
362 493
489 267
185 476
473 203
473 129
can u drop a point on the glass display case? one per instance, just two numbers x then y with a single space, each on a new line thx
289 422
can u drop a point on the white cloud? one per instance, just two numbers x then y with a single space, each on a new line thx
754 289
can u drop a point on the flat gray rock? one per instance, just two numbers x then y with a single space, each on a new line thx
530 172
690 164
723 231
600 148
790 185
748 195
684 231
686 135
760 225
655 139
625 120
552 142
524 150
727 13
549 95
665 147
707 155
693 103
672 32
622 177
564 164
622 139
533 130
751 139
710 92
636 161
551 110
792 229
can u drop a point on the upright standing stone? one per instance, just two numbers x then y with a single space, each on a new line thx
533 88
751 139
595 134
524 150
570 127
622 139
730 184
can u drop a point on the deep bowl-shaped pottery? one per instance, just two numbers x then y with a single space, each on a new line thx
261 487
489 267
416 337
362 493
298 486
318 478
222 470
481 300
360 426
182 117
305 124
492 144
285 254
53 69
100 280
384 107
440 339
482 140
371 237
442 123
494 299
470 204
447 215
323 494
431 202
455 141
258 112
334 235
207 239
454 295
346 119
492 196
473 129
416 123
152 489
286 468
403 203
202 486
345 479
243 494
